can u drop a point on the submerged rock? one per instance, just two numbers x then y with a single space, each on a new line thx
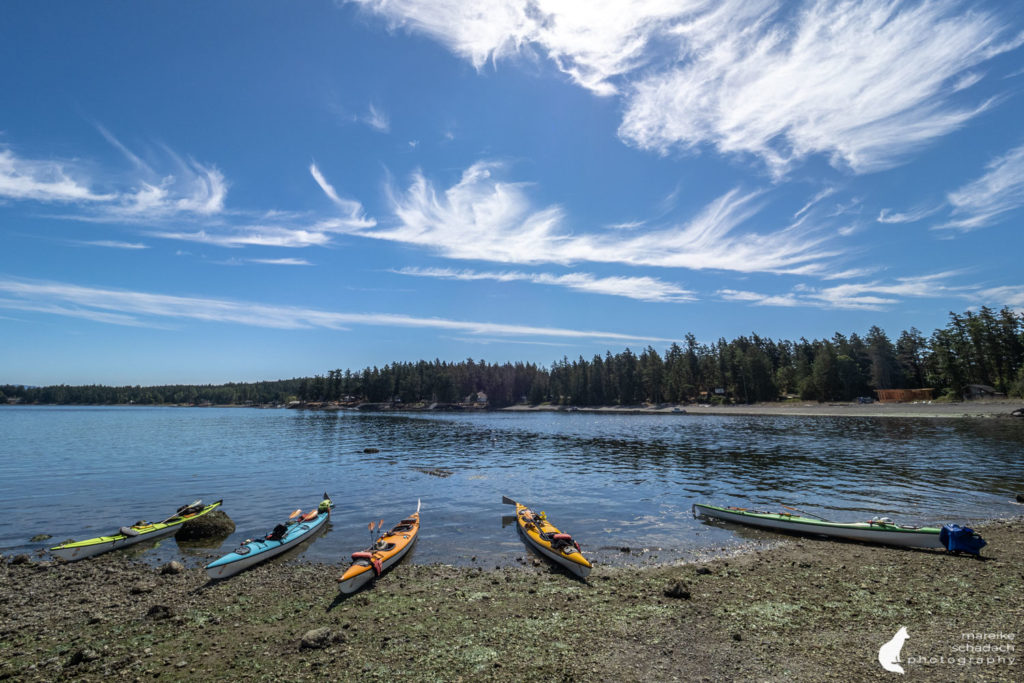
214 524
39 537
434 471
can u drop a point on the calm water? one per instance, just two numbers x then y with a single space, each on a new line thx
611 480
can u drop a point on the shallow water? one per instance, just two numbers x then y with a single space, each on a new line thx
613 481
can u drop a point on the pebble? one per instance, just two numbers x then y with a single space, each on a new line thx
159 612
678 591
172 567
82 656
316 639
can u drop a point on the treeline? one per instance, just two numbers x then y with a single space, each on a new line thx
95 394
984 347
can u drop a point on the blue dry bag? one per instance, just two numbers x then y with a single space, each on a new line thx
961 539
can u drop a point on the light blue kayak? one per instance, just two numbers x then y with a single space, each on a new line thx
283 538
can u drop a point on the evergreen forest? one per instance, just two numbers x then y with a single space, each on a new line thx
983 347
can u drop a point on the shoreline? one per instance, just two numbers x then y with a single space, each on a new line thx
806 609
982 409
985 408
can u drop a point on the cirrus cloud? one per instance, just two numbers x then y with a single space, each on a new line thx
482 217
133 308
862 83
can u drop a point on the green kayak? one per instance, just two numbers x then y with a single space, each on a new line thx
130 535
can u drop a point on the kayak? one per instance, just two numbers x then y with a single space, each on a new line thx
882 531
130 535
546 539
284 537
385 552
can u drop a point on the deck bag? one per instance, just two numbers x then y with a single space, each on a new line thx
961 539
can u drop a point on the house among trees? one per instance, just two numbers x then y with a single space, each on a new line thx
976 391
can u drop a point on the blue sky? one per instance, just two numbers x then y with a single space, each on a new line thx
236 191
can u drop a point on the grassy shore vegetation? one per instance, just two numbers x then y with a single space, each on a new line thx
802 610
975 348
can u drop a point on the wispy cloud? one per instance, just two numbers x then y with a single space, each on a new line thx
190 187
44 181
484 218
984 201
639 288
281 261
114 244
125 307
1012 296
874 296
353 213
912 216
823 194
862 83
319 233
377 119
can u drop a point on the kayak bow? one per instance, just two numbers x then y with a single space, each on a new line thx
130 535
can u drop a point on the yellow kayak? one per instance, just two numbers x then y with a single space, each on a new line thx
549 541
385 552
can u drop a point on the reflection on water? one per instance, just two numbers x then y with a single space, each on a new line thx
613 481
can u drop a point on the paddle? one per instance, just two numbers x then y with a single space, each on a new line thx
178 512
804 513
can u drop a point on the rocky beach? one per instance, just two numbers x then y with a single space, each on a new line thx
804 609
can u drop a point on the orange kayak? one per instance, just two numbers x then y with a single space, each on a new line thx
387 551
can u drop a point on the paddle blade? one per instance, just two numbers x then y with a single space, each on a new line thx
380 524
507 520
295 514
417 506
507 501
370 526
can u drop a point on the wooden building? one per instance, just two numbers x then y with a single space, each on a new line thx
903 395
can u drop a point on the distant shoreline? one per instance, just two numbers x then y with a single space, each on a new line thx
991 408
